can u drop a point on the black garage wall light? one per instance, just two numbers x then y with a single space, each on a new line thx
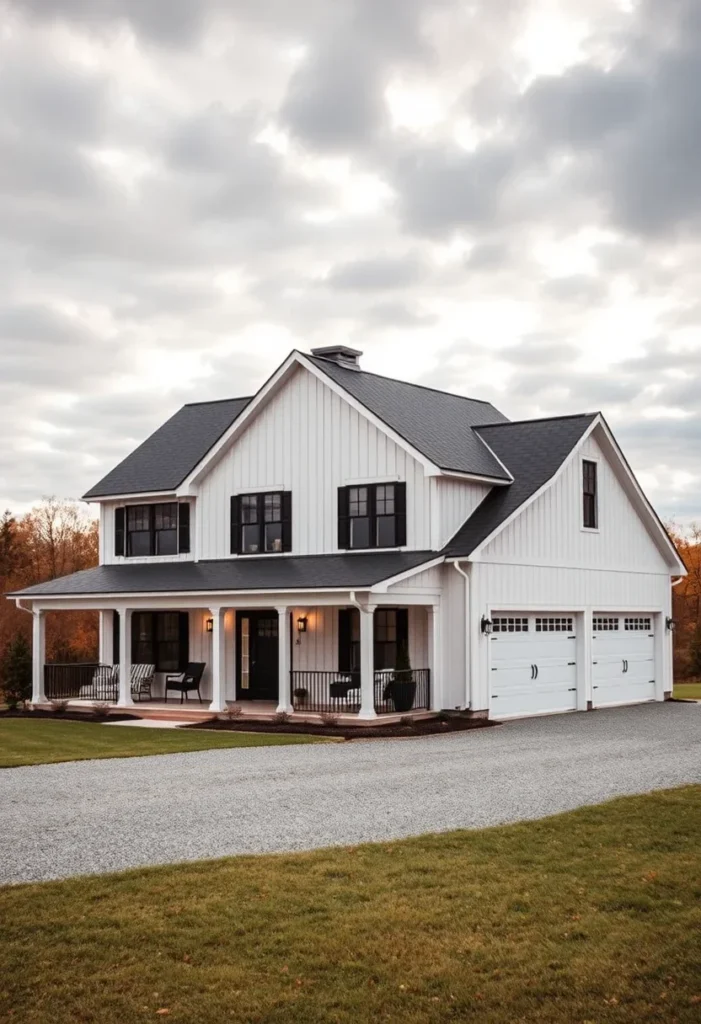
486 625
671 623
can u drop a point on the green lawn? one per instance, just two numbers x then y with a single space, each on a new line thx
687 691
25 742
592 916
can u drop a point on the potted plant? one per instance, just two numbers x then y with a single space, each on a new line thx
300 695
403 685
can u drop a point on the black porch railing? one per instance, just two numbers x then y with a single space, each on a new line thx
86 681
339 692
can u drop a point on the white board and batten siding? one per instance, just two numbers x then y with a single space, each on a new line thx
457 500
106 548
545 562
310 441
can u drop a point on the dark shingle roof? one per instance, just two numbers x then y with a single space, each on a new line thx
163 461
436 423
533 451
348 571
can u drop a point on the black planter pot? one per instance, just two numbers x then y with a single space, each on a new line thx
403 693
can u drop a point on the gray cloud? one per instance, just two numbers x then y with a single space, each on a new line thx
380 273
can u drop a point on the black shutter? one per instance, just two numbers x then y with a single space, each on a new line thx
115 637
403 628
287 520
236 524
345 636
343 519
184 527
119 535
135 623
184 638
400 514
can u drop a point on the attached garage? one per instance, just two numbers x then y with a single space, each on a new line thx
533 664
623 659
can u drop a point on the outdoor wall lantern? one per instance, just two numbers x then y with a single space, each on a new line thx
301 624
671 624
486 625
210 625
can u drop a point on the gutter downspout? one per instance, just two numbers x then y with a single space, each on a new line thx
468 645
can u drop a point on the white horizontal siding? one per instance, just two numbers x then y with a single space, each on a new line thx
549 531
308 440
457 500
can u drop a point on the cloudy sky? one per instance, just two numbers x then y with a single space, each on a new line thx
498 197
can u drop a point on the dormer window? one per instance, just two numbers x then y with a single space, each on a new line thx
372 516
142 531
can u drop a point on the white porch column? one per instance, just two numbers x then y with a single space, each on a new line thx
218 660
124 700
284 640
367 663
107 656
38 656
435 656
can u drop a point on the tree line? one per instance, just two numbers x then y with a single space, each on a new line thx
686 604
54 539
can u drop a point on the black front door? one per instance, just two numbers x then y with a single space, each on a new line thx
257 655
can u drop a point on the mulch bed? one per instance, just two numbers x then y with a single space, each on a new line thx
65 716
422 727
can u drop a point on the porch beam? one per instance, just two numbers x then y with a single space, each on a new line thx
125 699
284 663
218 660
367 663
38 656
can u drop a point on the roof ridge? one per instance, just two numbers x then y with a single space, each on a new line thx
219 401
537 419
407 383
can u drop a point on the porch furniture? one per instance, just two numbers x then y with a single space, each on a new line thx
185 681
141 681
104 684
343 685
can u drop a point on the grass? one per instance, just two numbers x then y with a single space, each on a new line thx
592 916
687 691
25 742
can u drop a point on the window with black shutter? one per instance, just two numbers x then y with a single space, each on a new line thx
590 510
390 632
160 639
372 516
261 524
159 529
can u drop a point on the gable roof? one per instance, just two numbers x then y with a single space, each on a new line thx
163 461
319 572
533 450
438 424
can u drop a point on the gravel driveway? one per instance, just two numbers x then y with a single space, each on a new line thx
97 816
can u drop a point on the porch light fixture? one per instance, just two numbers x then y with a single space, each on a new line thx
301 624
486 625
210 625
671 623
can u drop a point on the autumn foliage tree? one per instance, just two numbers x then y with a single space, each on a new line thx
686 604
54 539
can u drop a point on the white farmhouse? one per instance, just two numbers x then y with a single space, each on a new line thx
348 543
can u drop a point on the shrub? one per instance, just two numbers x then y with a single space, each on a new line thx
407 720
281 717
16 672
101 709
232 712
59 707
329 719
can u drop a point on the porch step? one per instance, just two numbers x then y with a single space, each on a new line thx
167 714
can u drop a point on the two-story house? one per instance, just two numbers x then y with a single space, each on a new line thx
341 533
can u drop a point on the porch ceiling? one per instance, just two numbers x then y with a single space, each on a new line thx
273 573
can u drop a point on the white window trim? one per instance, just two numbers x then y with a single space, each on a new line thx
595 459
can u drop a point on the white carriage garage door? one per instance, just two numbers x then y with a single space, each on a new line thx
533 664
623 656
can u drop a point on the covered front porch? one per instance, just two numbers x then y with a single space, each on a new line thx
363 658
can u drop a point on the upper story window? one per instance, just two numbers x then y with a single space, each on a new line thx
261 524
159 529
590 496
372 516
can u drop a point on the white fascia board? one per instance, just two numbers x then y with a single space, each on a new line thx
655 527
383 585
474 555
474 478
140 496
